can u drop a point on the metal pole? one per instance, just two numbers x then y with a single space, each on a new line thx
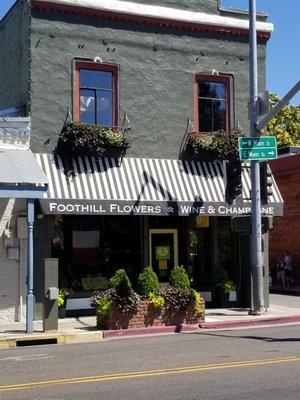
256 255
30 296
275 110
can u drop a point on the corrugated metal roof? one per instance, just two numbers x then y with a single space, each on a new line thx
20 167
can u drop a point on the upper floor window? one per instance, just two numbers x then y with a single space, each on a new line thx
96 94
212 94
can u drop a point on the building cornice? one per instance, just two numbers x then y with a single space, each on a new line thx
156 15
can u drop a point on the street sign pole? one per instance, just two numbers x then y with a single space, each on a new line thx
256 251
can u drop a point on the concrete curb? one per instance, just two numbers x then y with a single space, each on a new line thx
250 322
50 338
149 330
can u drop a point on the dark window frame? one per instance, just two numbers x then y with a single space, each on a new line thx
227 80
90 65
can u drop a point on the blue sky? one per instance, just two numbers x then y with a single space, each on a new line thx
283 54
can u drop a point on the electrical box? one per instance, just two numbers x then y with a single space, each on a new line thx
22 229
13 253
52 293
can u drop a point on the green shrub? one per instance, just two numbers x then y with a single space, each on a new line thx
148 282
156 300
121 282
197 298
104 307
179 278
222 280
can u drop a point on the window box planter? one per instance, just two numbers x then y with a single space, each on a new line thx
212 146
146 315
79 139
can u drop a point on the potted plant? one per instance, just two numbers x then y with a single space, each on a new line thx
225 294
62 302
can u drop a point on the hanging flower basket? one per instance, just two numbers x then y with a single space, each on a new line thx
80 139
213 146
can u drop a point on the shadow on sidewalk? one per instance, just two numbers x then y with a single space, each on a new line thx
261 338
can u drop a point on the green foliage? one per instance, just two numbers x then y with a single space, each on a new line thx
176 299
214 146
156 300
222 280
62 297
121 282
285 125
124 302
148 281
103 309
196 298
89 140
179 278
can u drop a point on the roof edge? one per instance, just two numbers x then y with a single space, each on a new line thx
155 15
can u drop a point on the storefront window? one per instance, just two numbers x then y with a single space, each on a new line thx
94 248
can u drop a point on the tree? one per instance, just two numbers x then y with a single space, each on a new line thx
285 125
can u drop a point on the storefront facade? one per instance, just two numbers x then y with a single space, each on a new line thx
160 71
154 212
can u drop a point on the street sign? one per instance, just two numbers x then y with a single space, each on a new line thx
258 148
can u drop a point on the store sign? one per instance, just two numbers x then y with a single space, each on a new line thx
202 221
162 252
108 207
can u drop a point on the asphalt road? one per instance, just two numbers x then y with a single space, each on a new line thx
260 364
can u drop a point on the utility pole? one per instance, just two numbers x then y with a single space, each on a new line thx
257 306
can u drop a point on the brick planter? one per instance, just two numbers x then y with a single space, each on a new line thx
147 315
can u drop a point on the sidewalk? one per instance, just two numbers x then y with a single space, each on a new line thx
284 308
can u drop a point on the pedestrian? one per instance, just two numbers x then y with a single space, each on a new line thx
288 268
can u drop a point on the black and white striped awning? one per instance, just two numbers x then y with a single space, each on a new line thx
140 186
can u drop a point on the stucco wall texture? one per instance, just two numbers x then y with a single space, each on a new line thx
155 87
14 56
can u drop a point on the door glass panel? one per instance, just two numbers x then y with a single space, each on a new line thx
200 255
162 254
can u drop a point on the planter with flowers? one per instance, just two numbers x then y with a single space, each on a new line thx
121 307
82 139
224 290
213 146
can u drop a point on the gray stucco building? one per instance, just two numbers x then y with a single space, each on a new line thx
162 64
